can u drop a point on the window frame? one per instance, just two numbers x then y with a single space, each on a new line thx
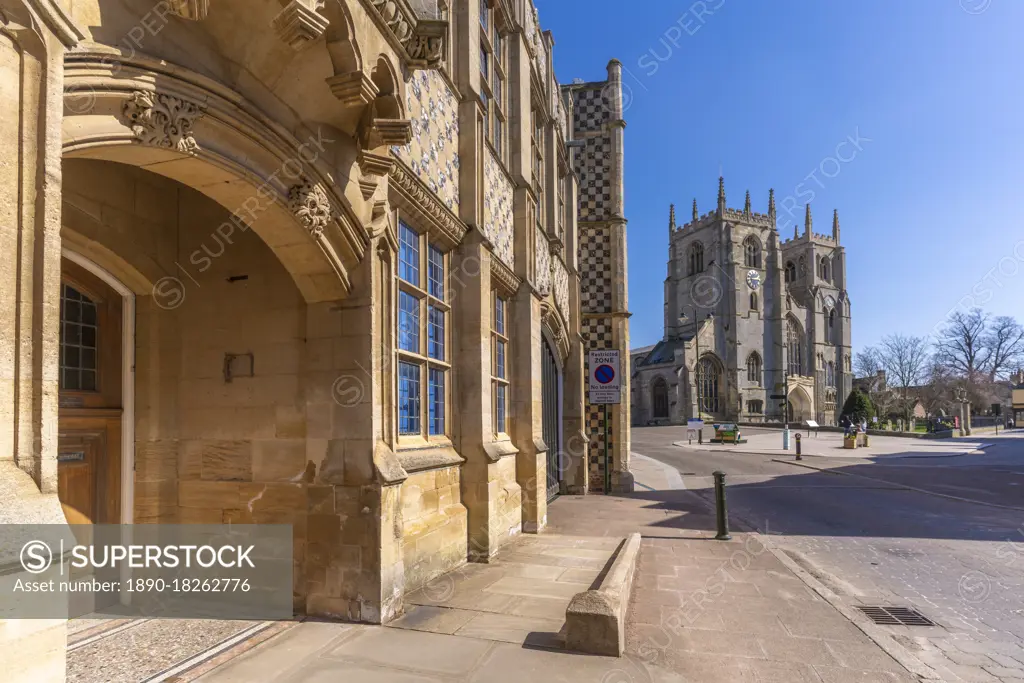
695 258
84 297
424 294
494 81
500 375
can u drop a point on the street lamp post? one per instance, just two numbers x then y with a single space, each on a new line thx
785 400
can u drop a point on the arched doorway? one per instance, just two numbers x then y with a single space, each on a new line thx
659 399
95 431
799 405
552 431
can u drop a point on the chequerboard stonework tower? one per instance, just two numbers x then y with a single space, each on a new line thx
749 319
598 122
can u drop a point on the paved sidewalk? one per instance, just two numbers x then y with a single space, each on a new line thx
703 611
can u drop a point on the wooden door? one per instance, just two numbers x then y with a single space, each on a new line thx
89 444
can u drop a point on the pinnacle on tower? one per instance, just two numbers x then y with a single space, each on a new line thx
671 218
746 204
835 225
796 231
808 221
721 196
695 214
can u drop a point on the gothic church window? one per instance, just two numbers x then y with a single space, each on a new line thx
830 374
751 253
753 301
696 259
824 269
659 399
790 271
708 379
755 407
754 368
830 327
795 351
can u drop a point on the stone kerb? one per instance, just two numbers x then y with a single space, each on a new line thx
595 621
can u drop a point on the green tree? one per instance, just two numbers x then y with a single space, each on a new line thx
858 406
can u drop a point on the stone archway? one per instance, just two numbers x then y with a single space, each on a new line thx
800 406
189 129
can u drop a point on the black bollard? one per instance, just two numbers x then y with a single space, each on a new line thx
700 435
723 515
798 447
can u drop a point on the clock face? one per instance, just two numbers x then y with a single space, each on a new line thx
830 302
753 279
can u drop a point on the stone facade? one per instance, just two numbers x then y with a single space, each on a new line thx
764 316
336 254
598 123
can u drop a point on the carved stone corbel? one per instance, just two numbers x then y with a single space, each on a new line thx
377 132
299 23
312 208
162 120
196 10
373 167
354 89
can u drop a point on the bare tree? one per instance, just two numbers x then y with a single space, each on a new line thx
867 363
961 345
905 359
1004 342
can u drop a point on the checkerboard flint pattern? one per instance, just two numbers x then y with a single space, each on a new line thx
591 110
597 334
595 259
594 169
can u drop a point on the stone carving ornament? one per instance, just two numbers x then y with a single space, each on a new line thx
163 120
311 207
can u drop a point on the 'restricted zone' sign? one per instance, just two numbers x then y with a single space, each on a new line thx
605 378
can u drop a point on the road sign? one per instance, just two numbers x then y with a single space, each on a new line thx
605 380
777 396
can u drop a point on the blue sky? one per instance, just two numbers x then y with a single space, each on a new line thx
931 204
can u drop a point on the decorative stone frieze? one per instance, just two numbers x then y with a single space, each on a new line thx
163 120
420 38
503 278
299 23
195 10
312 208
415 198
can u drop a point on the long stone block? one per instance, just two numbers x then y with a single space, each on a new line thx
595 621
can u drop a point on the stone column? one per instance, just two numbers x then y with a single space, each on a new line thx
489 489
34 35
528 406
622 479
351 548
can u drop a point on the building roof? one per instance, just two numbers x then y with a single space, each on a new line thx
663 352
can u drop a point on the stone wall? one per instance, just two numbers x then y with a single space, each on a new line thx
435 525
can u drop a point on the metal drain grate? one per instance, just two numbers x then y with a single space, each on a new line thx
896 616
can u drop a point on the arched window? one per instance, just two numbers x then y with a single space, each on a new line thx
795 343
824 269
708 376
753 301
790 271
830 326
830 374
752 252
754 368
696 258
659 398
802 268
